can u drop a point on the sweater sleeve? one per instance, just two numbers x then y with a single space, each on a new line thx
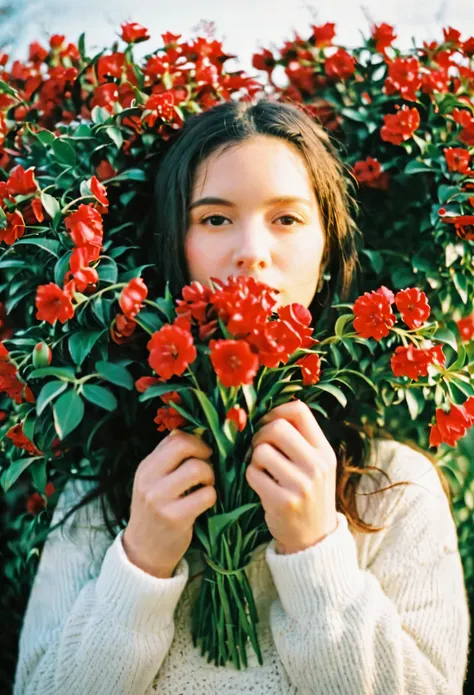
95 623
399 626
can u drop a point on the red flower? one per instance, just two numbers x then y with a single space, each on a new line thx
133 32
400 126
310 369
463 224
457 159
21 182
466 328
299 318
56 40
121 329
264 61
234 362
452 36
414 362
80 270
374 316
387 293
403 78
144 383
15 228
168 418
9 381
105 170
36 502
238 416
171 351
33 212
370 173
171 397
452 425
99 191
85 226
106 95
19 440
243 303
161 106
413 306
132 296
53 303
196 298
383 35
341 65
275 342
323 36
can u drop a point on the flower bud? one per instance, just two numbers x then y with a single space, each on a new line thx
42 355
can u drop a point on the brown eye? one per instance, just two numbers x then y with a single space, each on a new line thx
213 217
292 218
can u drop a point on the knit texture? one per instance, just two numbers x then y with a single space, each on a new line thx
356 614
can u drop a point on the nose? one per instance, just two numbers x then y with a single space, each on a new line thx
254 248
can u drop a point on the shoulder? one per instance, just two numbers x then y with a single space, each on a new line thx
417 487
88 516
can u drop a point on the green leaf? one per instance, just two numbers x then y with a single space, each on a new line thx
81 344
150 320
50 204
49 245
38 471
100 115
48 393
13 472
107 270
334 391
61 268
7 263
115 373
444 335
212 417
220 522
160 389
64 152
100 396
64 372
341 323
68 413
250 396
446 193
461 284
416 167
135 272
46 137
376 261
115 134
130 175
460 361
415 402
29 425
6 89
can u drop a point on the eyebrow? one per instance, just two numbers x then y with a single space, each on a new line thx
210 200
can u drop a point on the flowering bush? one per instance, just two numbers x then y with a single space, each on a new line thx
404 124
82 325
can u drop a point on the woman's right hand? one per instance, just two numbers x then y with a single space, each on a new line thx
162 515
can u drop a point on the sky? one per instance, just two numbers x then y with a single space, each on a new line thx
243 26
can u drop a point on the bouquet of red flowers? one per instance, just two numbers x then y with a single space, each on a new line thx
227 355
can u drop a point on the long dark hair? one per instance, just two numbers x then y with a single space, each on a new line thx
223 126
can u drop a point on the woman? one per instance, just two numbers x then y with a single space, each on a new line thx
361 588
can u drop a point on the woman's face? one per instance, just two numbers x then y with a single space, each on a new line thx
253 212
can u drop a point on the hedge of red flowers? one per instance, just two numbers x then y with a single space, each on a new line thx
80 138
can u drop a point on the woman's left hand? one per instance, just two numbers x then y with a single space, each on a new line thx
300 502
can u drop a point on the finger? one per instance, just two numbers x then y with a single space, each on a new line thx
191 473
282 435
171 452
302 418
270 493
286 474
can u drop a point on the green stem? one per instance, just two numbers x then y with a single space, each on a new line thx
73 202
106 289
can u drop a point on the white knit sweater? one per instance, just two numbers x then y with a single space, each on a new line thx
357 614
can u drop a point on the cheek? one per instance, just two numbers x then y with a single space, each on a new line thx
200 257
